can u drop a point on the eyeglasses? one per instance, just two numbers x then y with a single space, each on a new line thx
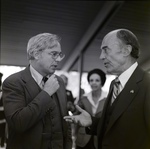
55 55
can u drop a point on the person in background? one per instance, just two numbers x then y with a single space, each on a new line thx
125 120
35 100
70 99
93 103
2 117
82 92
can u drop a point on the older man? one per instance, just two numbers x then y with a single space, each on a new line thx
35 100
125 121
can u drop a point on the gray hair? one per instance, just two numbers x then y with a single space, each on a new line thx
41 42
128 38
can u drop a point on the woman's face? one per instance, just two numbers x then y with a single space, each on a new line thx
95 82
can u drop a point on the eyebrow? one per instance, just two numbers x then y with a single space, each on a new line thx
104 47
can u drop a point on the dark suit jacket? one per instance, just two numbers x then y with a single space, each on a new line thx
69 96
129 123
25 106
2 123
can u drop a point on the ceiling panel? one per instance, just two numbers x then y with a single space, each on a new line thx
134 16
23 19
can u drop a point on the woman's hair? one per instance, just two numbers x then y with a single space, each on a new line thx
128 38
100 73
41 42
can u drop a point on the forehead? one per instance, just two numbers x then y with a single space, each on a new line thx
110 40
94 76
54 47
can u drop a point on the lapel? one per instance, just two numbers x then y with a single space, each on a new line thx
87 105
62 99
100 105
126 96
108 99
100 128
33 89
30 84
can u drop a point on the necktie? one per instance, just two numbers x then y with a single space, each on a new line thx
44 80
116 89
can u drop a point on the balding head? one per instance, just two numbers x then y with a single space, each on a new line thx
119 50
127 38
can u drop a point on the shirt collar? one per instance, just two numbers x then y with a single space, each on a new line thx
124 77
89 97
36 75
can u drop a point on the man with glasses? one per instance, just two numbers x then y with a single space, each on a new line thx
35 100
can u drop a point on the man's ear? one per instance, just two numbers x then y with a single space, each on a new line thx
127 50
36 55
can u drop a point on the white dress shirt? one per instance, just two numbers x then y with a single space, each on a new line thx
95 105
124 77
36 76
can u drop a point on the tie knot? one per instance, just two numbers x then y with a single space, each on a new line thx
45 79
116 80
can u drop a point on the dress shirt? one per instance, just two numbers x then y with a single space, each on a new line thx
124 77
95 105
37 76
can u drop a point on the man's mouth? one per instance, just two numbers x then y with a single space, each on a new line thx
106 64
54 66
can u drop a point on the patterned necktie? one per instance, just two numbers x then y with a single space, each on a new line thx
116 89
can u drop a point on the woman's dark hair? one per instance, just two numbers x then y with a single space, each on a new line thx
100 73
129 38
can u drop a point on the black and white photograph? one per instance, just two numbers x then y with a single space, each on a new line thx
75 74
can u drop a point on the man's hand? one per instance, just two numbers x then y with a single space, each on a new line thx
83 119
51 85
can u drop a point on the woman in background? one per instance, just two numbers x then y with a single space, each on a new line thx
93 103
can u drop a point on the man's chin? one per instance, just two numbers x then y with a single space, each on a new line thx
108 70
52 71
111 72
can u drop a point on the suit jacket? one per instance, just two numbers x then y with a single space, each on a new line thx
82 137
25 106
129 122
69 96
2 123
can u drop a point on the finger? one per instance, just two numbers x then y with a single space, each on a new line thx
79 108
67 117
69 120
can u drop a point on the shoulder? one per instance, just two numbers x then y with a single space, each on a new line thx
61 82
14 77
59 78
147 76
84 99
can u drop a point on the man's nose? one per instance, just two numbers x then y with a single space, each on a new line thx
102 55
58 59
